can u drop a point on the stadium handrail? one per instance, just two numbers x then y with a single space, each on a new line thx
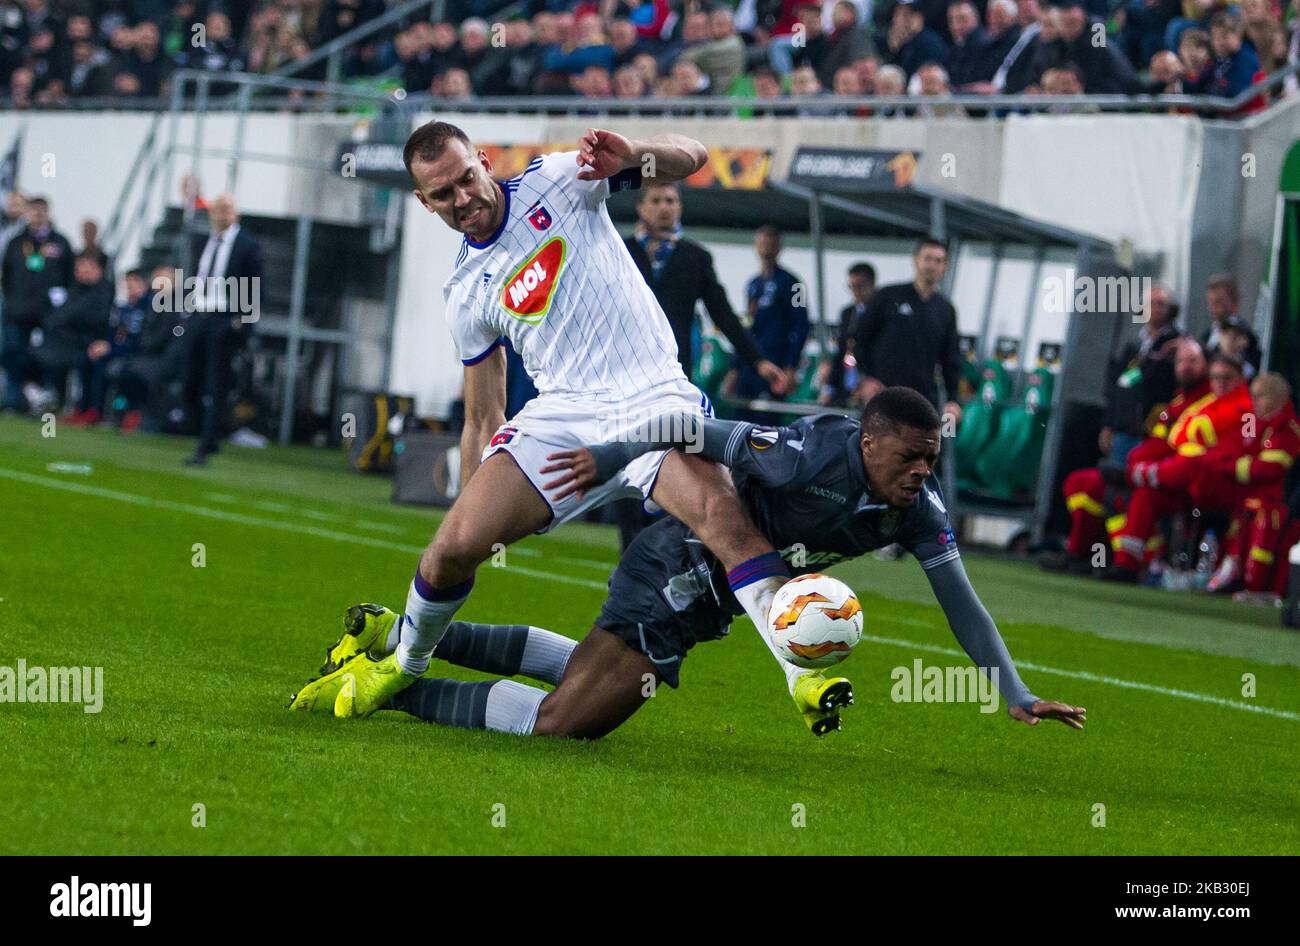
992 106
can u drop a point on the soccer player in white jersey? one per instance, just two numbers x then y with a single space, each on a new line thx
542 265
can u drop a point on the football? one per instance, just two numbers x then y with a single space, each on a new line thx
815 620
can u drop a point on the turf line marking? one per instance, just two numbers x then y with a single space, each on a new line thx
1097 678
296 527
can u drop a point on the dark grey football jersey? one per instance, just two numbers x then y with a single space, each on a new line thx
805 487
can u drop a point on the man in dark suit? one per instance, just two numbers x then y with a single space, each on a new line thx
226 300
836 379
680 273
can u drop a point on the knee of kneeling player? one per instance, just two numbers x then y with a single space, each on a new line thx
451 558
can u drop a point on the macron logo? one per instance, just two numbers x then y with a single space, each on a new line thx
78 899
527 294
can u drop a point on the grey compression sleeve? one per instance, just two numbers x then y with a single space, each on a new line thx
975 631
688 431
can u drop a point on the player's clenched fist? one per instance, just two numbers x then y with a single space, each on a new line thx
603 154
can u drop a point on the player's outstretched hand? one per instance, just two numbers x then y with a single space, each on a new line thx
602 154
578 469
1072 716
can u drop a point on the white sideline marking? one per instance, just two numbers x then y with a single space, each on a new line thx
302 529
1097 678
242 519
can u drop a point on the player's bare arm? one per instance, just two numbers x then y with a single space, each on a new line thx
665 157
485 409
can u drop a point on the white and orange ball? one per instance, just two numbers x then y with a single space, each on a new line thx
815 621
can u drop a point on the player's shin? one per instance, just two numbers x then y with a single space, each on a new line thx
428 612
755 583
506 650
500 705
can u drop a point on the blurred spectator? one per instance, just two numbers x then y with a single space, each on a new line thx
890 80
160 354
13 220
1264 34
778 316
486 66
1221 297
908 332
1104 69
1236 67
218 51
524 59
1197 59
89 75
687 79
588 47
454 85
1141 377
931 80
1001 33
102 359
846 43
90 243
837 376
35 275
1015 73
1146 23
1166 76
911 43
966 61
594 82
70 328
625 41
628 83
721 53
805 85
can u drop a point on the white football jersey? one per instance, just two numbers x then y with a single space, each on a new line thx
558 282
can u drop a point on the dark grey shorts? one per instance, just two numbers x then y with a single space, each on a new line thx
660 599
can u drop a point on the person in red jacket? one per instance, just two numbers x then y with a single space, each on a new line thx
1088 497
1254 482
1205 432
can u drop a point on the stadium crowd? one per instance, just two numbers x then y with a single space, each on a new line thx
55 52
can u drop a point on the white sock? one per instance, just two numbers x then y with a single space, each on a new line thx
428 612
756 599
546 654
512 707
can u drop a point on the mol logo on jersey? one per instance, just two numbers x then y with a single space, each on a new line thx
528 292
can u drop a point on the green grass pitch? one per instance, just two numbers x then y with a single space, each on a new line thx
97 568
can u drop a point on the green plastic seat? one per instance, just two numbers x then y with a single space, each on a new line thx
979 423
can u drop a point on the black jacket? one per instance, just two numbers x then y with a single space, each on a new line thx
1141 377
83 318
27 290
245 260
689 277
902 340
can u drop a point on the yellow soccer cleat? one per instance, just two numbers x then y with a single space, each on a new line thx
368 685
365 628
815 693
317 696
822 723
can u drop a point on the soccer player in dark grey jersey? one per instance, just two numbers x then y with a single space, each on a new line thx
822 490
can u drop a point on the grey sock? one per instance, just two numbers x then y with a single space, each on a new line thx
501 705
506 650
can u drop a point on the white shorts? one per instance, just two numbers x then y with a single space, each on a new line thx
549 424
